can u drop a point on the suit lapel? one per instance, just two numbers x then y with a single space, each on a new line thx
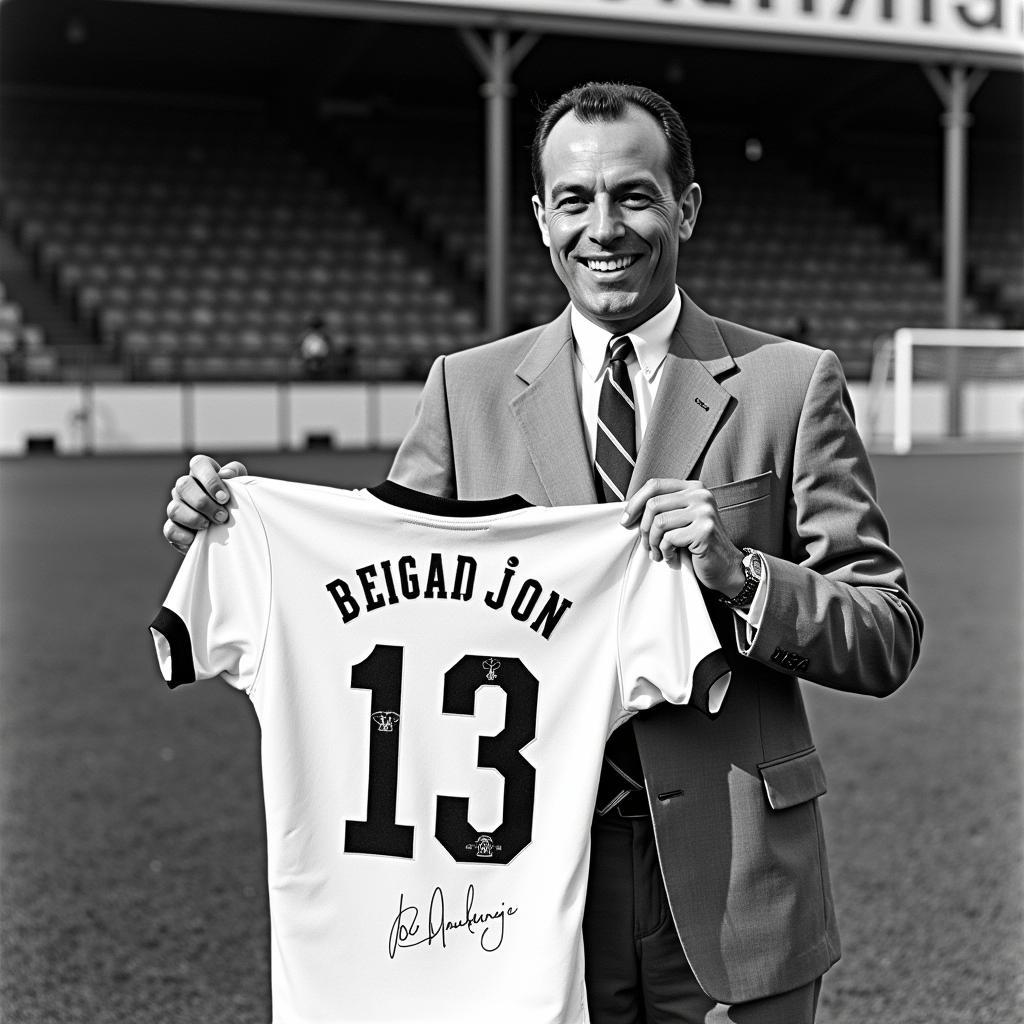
688 409
690 401
548 413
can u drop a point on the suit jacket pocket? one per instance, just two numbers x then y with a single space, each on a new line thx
742 492
793 779
747 514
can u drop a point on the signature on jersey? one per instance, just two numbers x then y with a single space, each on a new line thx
412 928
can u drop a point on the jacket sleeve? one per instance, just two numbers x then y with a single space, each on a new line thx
837 610
425 461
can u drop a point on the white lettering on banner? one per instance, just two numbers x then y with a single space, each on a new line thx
985 26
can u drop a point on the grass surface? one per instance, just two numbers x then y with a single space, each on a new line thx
131 836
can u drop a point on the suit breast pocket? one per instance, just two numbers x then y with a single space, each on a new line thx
745 509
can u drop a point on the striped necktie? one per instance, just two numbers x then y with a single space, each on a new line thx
615 452
614 459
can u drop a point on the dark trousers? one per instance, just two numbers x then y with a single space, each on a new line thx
636 970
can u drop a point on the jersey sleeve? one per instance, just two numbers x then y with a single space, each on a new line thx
668 649
214 619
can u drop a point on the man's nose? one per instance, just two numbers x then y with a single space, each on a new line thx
606 221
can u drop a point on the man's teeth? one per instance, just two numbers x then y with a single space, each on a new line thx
619 263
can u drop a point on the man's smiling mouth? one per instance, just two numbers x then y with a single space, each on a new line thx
607 264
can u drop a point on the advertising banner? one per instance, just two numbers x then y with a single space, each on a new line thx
964 27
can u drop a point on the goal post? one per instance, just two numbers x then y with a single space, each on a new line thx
907 339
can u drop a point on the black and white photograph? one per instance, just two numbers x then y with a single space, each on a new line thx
511 511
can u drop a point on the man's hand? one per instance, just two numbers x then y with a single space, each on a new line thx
681 515
197 500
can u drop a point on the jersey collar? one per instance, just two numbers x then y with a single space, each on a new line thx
431 504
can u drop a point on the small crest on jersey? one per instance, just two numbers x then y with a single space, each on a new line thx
484 846
492 665
386 720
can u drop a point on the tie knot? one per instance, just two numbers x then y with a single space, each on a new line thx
620 348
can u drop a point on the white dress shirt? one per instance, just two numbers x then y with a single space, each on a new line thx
650 346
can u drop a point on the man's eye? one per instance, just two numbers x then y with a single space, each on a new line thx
636 199
570 203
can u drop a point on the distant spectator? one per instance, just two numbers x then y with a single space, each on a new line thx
315 349
17 361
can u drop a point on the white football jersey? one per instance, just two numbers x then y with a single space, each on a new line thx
435 681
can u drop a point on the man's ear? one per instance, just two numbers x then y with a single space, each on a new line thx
542 220
689 204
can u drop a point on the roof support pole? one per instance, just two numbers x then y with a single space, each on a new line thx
955 91
497 59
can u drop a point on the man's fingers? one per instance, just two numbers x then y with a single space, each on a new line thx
662 505
180 539
197 500
209 475
188 491
679 519
664 522
180 513
636 505
673 543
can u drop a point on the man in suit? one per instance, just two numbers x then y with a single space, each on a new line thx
709 897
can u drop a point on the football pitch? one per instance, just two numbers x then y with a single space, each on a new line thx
132 881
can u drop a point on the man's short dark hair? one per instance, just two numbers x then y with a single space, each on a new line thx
608 101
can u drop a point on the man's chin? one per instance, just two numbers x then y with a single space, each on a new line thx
609 306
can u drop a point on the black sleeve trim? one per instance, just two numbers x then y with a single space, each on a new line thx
710 669
170 625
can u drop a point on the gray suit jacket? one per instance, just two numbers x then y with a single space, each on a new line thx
767 424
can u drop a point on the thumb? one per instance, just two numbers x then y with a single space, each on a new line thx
232 469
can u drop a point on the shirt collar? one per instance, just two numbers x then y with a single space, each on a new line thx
650 340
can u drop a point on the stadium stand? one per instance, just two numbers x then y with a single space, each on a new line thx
197 242
773 246
24 354
901 177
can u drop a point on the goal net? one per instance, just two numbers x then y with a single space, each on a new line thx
929 384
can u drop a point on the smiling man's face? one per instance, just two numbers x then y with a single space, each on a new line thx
609 218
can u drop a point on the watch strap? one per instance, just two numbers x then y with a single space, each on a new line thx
751 582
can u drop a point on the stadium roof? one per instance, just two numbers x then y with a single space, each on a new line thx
208 51
988 33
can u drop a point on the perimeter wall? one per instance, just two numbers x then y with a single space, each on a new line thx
80 419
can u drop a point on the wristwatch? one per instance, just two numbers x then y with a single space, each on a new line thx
753 570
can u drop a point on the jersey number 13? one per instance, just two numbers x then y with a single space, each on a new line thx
381 674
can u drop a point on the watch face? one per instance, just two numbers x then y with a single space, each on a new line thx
753 562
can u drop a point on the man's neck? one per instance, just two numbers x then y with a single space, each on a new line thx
615 328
